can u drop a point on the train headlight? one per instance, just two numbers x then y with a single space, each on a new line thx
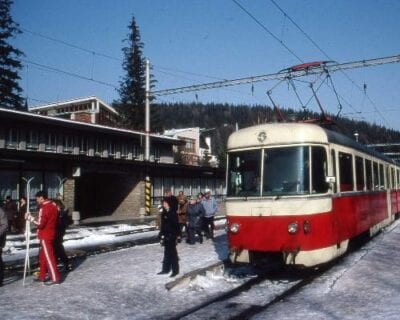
234 228
293 227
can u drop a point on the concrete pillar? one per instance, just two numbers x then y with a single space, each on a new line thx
69 195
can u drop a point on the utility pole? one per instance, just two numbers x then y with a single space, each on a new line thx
147 113
147 142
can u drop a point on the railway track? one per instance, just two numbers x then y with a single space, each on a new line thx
252 296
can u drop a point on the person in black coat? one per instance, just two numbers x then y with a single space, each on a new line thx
21 214
62 224
3 230
169 237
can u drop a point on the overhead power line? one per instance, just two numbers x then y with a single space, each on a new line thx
71 45
267 30
97 53
71 74
286 74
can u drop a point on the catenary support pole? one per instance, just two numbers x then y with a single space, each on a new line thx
147 113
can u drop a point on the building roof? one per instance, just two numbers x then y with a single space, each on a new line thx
72 102
21 115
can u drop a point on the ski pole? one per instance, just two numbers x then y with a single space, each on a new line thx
27 266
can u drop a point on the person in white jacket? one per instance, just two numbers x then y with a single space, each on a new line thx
210 207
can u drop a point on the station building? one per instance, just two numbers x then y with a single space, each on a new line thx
73 148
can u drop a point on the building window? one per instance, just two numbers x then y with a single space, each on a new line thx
84 145
68 143
135 150
98 147
12 138
124 150
156 153
51 142
32 140
111 148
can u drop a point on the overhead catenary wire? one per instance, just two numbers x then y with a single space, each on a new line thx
98 53
267 30
362 89
71 74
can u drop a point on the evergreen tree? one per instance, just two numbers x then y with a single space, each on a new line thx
9 60
132 89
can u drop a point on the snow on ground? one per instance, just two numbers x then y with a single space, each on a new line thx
78 237
364 285
117 285
124 285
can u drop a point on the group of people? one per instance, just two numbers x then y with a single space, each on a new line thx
51 223
180 216
15 215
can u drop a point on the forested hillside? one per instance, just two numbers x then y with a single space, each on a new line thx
223 117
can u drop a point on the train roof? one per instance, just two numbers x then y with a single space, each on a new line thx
271 134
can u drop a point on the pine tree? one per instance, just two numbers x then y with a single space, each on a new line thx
10 64
132 89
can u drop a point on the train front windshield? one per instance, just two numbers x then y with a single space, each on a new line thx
277 171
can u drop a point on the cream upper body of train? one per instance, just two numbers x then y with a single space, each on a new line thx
302 192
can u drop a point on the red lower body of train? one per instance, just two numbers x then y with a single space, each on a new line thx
311 239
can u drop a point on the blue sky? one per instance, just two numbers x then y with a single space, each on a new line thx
197 41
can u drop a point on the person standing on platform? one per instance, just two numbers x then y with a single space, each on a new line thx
3 231
21 214
62 224
169 237
10 208
210 208
195 214
46 223
172 200
182 208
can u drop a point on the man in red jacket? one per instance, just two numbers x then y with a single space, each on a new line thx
46 223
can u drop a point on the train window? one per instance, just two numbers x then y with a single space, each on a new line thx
381 177
333 158
319 170
346 171
392 179
368 174
398 179
286 171
359 174
244 173
376 176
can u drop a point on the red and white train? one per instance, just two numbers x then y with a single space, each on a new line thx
303 192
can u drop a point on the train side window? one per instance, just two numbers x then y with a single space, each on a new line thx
398 179
376 176
346 171
381 177
392 179
333 158
319 170
368 174
359 174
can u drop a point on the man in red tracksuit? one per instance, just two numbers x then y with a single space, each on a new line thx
46 223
